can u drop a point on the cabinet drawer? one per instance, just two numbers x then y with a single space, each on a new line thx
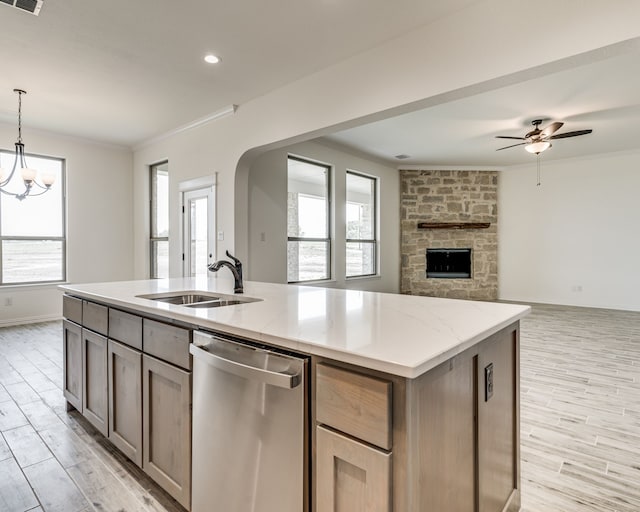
356 404
126 328
95 317
72 309
167 342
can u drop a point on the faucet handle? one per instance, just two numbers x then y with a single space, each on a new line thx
235 260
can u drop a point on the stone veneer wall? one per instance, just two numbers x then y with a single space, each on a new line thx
449 196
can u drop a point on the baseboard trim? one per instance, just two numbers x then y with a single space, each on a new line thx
29 320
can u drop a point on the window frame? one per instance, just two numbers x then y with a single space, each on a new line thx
153 168
374 228
328 239
62 238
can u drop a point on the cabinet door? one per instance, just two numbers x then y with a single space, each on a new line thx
351 476
72 363
166 420
498 436
125 400
94 380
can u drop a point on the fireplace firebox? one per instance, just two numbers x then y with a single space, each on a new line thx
449 263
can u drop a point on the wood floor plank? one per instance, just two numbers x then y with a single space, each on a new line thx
40 415
22 393
54 488
11 416
67 447
103 488
5 452
15 493
40 382
26 446
4 396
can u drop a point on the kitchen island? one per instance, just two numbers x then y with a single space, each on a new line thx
414 401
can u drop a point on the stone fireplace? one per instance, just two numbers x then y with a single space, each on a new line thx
447 216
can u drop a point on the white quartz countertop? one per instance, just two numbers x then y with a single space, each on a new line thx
398 334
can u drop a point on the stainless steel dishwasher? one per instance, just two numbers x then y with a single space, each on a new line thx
249 451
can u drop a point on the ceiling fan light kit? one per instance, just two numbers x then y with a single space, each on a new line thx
537 147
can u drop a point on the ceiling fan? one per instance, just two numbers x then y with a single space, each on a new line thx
537 140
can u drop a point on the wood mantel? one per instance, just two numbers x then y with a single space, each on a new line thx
453 225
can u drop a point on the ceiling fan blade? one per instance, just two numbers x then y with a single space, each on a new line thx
570 134
513 146
506 137
550 130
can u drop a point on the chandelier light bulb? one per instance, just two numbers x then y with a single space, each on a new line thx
28 175
48 179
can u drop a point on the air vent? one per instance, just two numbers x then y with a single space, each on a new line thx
32 6
402 157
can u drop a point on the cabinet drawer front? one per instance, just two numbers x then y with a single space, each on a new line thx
72 309
356 404
126 328
167 342
350 475
95 317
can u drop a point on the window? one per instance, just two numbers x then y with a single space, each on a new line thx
361 225
159 220
32 231
309 243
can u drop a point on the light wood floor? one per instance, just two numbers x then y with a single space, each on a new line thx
580 406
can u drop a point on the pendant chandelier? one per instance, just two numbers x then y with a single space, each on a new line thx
31 185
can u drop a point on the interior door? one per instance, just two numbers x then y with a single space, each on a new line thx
198 231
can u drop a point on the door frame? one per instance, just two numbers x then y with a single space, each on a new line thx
206 184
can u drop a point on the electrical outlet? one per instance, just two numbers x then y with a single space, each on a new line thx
488 382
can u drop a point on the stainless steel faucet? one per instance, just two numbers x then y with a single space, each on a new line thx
236 270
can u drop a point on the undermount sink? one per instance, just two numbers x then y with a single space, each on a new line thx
197 299
218 303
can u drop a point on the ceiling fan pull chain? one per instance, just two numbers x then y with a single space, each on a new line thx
538 166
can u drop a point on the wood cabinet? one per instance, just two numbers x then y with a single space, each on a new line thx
166 392
352 475
436 442
72 367
142 404
125 399
94 380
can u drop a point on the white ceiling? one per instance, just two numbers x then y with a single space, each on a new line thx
603 96
123 71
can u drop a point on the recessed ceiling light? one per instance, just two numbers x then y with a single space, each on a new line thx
211 58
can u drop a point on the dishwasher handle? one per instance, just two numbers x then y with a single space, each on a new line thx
281 380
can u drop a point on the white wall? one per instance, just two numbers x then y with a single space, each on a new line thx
267 259
99 220
573 240
406 73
